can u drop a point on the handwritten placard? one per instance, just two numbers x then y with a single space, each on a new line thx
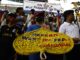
42 40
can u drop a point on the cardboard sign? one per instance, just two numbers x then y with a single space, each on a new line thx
42 40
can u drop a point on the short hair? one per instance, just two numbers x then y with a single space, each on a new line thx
32 11
50 19
41 14
12 15
39 19
67 13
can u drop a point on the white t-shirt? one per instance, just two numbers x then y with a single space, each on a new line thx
71 30
28 21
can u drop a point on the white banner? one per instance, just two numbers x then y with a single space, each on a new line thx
40 6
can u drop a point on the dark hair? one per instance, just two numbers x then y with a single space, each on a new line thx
41 14
32 11
50 19
67 13
19 8
12 14
39 19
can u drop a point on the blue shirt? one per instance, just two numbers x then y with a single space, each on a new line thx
34 56
33 27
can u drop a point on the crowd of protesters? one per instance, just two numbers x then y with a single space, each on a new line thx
13 25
